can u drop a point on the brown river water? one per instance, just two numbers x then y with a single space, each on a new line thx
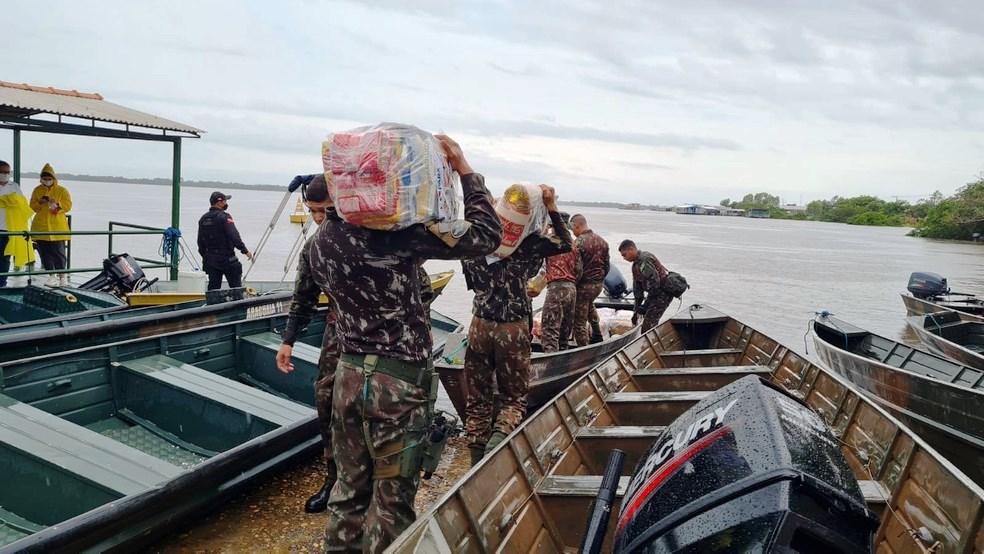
771 274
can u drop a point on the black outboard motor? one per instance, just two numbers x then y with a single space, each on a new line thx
924 285
614 283
121 274
748 468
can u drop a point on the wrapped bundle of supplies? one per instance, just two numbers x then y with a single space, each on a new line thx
522 213
389 177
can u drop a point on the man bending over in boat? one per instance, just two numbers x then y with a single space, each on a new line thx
647 285
499 335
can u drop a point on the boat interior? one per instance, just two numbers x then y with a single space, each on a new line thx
18 304
869 345
534 492
950 326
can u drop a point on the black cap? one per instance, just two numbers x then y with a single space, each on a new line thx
216 196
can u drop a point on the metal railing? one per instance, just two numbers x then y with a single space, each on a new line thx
131 229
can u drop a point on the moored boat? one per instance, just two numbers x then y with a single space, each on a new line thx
953 334
109 446
940 399
929 293
533 492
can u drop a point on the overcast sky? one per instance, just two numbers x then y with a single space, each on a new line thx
651 102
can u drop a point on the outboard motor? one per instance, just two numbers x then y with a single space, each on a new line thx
924 285
748 468
121 275
614 283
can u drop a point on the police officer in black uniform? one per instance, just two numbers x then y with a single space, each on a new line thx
218 239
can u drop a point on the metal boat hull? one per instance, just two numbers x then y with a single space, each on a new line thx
916 306
533 493
950 415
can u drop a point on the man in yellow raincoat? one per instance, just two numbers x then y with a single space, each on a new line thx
14 215
50 202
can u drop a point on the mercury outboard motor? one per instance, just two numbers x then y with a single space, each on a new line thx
614 283
121 274
748 468
924 285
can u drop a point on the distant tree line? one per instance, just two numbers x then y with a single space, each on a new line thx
959 216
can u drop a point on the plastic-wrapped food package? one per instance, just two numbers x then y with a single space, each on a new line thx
389 176
522 213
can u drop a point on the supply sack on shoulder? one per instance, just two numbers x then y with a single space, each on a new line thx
675 284
522 213
389 177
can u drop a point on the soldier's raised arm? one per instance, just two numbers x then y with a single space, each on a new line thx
478 234
547 245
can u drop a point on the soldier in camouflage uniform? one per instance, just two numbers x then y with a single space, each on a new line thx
557 317
303 307
647 285
595 264
498 338
383 384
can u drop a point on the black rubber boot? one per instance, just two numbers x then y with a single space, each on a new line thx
477 453
319 502
596 335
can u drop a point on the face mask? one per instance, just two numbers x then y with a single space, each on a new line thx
4 178
47 182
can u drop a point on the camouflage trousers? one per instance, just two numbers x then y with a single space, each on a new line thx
656 304
557 320
327 362
497 370
377 421
584 311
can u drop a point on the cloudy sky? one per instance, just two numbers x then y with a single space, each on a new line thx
652 102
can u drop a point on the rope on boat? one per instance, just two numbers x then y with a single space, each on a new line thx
172 241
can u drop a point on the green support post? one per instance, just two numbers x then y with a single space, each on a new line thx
175 203
17 161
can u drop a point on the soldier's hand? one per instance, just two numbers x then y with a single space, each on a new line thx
249 255
456 158
549 197
283 358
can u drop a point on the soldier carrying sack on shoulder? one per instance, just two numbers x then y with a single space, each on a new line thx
384 384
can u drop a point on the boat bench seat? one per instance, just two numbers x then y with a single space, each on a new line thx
703 357
694 378
219 390
634 440
651 408
586 486
74 449
256 365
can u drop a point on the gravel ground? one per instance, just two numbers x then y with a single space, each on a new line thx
269 517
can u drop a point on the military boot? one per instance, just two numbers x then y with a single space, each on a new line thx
319 501
497 437
477 453
596 335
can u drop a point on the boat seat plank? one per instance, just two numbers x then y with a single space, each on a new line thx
634 440
694 378
587 486
256 365
653 397
233 394
78 450
621 432
699 352
721 369
651 408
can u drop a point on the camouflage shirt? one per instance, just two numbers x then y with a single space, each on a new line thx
373 277
594 257
500 288
647 277
304 303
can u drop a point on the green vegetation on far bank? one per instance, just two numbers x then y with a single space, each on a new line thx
957 217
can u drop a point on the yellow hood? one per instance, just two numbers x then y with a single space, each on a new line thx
51 171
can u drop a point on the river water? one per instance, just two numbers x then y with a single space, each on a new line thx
772 274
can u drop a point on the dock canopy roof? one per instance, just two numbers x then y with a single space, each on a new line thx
20 103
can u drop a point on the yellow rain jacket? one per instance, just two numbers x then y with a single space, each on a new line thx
45 220
18 213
